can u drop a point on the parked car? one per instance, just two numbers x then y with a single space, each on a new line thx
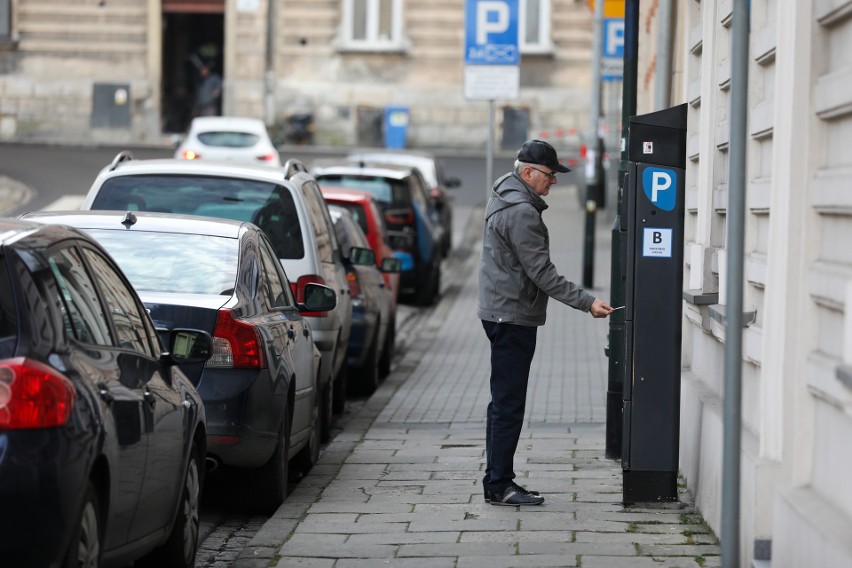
102 437
401 193
373 306
437 181
229 139
286 203
260 385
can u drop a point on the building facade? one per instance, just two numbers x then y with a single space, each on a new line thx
796 505
127 70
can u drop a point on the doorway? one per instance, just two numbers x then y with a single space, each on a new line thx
193 35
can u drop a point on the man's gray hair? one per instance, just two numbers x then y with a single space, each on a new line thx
519 165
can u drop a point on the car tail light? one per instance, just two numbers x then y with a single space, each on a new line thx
354 284
299 292
400 216
189 155
266 157
235 344
33 395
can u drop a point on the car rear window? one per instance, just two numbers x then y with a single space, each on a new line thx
358 214
8 319
386 191
269 206
224 139
173 262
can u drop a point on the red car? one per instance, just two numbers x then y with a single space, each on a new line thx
363 207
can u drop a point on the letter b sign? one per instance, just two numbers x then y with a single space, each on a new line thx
660 187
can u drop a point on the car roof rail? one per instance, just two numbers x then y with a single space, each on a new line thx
292 167
123 156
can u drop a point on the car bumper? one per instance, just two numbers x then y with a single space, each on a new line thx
244 410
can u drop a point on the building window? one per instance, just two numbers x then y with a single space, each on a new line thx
534 26
372 25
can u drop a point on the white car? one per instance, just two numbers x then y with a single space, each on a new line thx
230 139
285 203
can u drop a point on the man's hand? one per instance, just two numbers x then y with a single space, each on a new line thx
600 309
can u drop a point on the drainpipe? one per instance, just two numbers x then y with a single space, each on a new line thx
594 167
269 76
663 78
732 403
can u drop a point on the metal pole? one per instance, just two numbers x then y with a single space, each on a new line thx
617 356
663 78
269 75
489 144
594 151
732 403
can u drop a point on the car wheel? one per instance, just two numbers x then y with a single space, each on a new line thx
309 455
388 350
325 411
266 486
182 545
340 385
85 548
428 295
368 375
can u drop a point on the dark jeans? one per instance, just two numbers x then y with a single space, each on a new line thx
512 348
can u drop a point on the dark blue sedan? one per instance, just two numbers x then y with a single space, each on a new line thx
260 384
102 437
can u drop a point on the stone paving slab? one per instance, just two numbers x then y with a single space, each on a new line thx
402 487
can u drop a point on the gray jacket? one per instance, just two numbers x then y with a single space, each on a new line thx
516 276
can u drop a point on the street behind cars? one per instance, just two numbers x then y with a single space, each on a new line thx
406 207
373 306
285 203
260 385
102 436
229 139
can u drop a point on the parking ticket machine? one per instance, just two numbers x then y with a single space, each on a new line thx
654 267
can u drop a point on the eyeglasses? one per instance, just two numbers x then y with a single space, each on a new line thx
550 175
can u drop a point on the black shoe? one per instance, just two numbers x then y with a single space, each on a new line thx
516 495
487 494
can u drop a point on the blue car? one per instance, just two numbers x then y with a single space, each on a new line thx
407 208
102 437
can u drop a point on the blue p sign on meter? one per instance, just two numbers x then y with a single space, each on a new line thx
491 32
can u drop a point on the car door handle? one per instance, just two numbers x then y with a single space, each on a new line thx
149 398
104 393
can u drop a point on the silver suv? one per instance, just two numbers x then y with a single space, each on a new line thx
285 202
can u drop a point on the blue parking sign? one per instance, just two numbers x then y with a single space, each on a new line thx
491 32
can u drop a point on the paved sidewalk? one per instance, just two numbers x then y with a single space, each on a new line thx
401 486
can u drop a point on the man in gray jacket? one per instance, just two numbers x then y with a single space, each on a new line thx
516 277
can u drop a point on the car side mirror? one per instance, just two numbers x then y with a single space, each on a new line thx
391 265
188 346
362 256
318 298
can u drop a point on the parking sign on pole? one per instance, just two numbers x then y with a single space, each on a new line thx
491 54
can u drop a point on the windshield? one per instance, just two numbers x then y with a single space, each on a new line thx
173 262
267 205
387 191
229 139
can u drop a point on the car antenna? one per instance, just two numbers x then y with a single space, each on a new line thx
129 220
